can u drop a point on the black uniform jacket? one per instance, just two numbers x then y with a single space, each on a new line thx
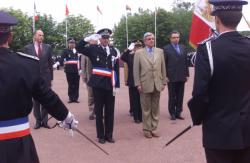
100 60
128 57
221 101
176 65
20 80
70 60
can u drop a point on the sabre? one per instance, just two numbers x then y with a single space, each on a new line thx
178 135
82 134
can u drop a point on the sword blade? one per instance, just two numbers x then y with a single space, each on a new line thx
78 131
178 135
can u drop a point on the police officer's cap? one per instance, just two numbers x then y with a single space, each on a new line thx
71 40
6 21
105 33
227 5
138 42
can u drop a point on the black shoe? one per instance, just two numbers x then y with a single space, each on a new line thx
45 125
101 141
70 101
91 117
37 125
173 117
180 117
76 101
137 121
110 140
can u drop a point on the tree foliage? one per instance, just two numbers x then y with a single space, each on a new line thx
178 19
78 26
54 33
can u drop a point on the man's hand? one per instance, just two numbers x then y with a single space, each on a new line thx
139 88
69 122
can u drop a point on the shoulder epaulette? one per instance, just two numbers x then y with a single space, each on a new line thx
208 39
28 56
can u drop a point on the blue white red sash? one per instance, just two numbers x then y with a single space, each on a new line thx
72 62
14 128
101 71
105 72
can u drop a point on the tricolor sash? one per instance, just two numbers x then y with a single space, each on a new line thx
72 62
14 128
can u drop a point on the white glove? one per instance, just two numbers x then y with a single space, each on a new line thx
80 72
131 46
55 66
69 122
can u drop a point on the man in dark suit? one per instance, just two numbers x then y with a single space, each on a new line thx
177 74
44 53
221 92
104 81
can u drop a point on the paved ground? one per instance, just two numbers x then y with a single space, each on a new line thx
57 146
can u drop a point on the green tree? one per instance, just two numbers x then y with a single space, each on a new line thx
47 24
78 27
178 19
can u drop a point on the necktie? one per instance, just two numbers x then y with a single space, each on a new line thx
39 53
177 49
150 52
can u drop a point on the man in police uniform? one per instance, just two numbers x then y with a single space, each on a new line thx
104 80
69 57
18 86
221 93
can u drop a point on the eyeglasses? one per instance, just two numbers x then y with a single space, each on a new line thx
150 39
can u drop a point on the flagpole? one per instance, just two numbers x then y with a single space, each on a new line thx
66 28
155 24
127 27
34 14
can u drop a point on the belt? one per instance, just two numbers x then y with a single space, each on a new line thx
14 128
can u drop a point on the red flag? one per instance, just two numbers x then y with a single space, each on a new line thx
98 9
66 11
202 22
128 7
36 16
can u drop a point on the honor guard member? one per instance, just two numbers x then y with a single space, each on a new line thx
134 95
221 92
104 80
70 59
18 87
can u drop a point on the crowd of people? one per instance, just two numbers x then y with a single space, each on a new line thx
224 113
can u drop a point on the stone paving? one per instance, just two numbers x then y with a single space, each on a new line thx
57 146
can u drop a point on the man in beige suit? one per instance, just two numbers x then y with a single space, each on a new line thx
150 80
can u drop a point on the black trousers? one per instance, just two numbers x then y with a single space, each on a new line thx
175 94
40 113
135 103
228 156
18 150
104 100
73 85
